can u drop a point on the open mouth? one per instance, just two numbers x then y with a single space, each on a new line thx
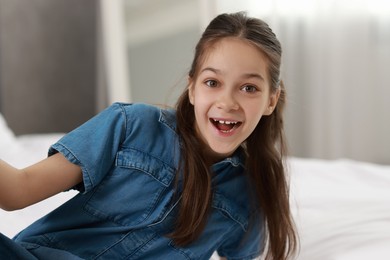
225 126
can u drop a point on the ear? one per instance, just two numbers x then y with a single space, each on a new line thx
273 101
191 94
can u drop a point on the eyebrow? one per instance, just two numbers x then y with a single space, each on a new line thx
246 75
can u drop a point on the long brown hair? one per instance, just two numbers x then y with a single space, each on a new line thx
265 147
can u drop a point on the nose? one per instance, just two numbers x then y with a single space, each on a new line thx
227 101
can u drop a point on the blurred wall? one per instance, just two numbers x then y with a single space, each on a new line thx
161 38
48 72
159 68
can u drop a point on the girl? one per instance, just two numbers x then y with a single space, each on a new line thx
172 184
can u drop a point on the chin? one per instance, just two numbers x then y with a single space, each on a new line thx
223 153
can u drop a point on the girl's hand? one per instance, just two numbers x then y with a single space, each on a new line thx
24 187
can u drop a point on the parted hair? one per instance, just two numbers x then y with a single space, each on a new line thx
265 148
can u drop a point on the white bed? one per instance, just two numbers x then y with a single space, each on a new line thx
342 207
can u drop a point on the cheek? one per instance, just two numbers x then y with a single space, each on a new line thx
200 99
200 109
255 112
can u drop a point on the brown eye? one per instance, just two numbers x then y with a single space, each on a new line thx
211 83
249 88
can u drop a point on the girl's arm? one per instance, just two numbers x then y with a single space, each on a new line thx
20 188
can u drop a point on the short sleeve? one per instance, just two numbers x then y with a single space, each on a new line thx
243 245
94 144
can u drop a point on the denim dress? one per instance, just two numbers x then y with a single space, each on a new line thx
127 204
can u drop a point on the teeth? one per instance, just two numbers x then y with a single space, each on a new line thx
225 122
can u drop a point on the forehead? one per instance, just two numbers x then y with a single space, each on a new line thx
236 54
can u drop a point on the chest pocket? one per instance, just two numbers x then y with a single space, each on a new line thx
136 193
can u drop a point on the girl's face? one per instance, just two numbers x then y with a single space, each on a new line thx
230 94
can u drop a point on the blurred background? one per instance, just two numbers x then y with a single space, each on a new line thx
62 61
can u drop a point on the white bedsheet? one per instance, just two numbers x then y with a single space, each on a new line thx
342 207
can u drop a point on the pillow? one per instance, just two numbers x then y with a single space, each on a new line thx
7 138
5 132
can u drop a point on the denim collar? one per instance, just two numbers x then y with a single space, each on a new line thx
236 160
